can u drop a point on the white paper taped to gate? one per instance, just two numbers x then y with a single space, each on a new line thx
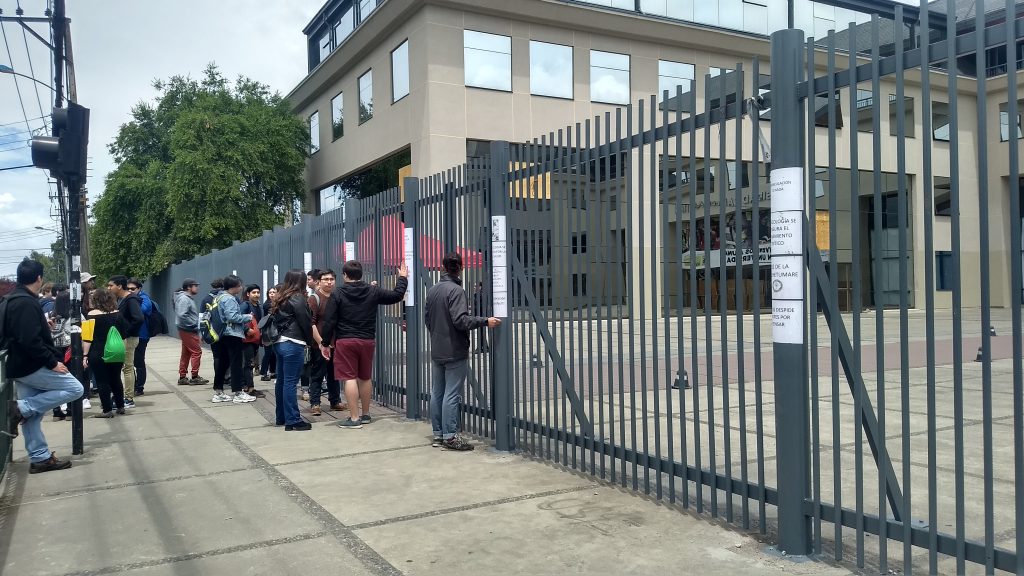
350 251
788 321
307 261
499 266
410 292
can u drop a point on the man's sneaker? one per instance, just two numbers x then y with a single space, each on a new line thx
305 395
315 410
339 407
86 404
457 443
184 381
220 396
49 465
256 393
350 424
128 403
265 378
437 442
15 418
365 418
242 398
198 381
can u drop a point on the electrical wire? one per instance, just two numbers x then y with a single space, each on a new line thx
17 86
32 72
20 121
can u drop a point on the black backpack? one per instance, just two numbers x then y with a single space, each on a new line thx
156 322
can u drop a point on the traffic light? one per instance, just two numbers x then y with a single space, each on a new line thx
65 154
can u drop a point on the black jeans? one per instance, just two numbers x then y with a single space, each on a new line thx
249 352
140 366
321 370
228 359
108 379
269 364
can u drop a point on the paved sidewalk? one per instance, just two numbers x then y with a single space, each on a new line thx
182 486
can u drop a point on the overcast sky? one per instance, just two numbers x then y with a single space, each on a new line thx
120 47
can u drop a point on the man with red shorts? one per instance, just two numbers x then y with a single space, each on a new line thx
350 322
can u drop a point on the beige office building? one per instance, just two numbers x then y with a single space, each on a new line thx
428 83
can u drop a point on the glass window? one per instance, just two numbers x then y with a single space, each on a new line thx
550 70
865 111
943 270
943 199
1004 120
680 9
314 132
400 72
609 77
366 96
940 121
325 45
674 74
488 60
706 12
330 199
755 16
908 116
365 8
337 116
344 26
621 4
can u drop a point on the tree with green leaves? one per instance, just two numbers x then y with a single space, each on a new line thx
207 163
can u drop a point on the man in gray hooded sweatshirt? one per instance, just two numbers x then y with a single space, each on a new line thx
449 322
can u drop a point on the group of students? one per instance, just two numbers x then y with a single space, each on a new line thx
314 330
114 333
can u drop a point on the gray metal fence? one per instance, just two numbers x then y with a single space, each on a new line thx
780 335
6 395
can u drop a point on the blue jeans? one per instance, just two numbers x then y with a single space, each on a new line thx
446 395
290 358
38 393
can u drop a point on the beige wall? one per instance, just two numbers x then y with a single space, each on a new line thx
441 113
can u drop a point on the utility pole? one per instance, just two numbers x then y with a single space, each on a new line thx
83 216
59 26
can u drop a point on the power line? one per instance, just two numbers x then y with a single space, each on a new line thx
32 71
20 121
17 86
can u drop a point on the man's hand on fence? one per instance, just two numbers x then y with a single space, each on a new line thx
493 322
403 270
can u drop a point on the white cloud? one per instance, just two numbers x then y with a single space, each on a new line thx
120 47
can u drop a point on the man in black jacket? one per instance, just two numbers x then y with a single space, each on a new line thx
34 363
447 317
350 322
130 306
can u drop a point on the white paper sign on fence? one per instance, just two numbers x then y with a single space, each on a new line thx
307 261
499 271
410 292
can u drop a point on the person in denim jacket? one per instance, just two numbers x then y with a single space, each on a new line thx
230 347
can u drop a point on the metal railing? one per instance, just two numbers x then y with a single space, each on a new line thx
738 346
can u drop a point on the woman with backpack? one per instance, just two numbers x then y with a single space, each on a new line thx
294 323
102 339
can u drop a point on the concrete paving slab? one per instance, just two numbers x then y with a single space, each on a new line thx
234 417
422 480
325 440
143 461
595 532
322 555
148 523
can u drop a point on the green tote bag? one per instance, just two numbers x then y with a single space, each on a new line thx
113 350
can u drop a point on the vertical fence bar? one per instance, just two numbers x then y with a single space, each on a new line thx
587 364
928 212
502 335
833 295
1016 273
640 254
572 322
788 348
723 289
697 286
855 210
741 302
709 299
621 297
755 179
603 217
811 176
412 300
680 367
656 247
878 297
985 257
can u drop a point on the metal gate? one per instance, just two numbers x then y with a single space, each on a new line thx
760 302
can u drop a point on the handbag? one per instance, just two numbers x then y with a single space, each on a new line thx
113 350
253 333
268 330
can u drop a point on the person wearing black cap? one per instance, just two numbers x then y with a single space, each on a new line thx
186 318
